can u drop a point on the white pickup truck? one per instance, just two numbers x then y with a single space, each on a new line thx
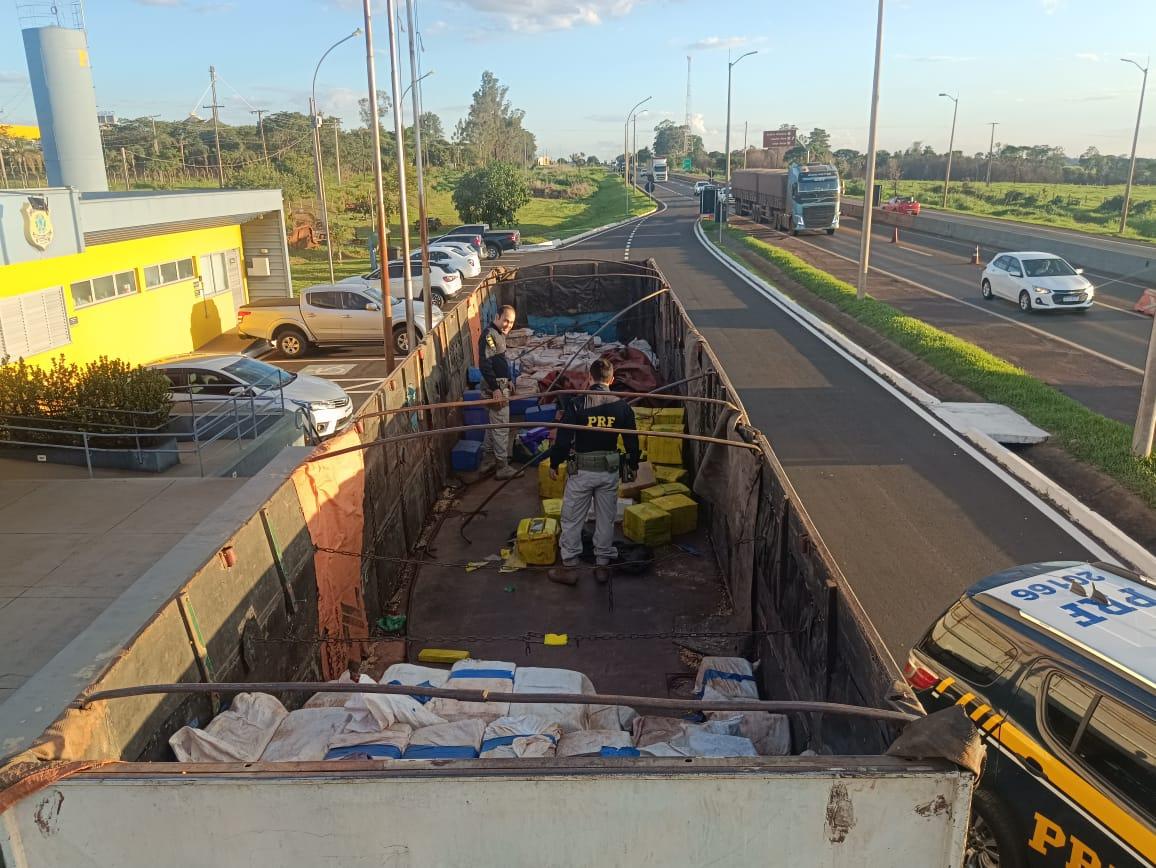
328 315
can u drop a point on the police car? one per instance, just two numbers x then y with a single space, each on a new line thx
1056 665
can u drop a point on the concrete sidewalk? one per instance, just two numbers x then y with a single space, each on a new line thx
71 547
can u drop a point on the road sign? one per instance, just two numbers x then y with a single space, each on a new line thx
780 138
686 164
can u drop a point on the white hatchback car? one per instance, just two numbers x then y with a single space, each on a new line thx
443 284
1037 281
451 260
208 379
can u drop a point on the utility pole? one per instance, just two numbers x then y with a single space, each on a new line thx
3 169
869 181
124 165
626 152
337 145
730 66
991 150
746 124
950 145
686 123
379 189
216 131
1135 139
156 144
260 113
423 229
403 204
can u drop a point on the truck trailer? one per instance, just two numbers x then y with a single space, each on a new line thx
658 169
383 522
797 199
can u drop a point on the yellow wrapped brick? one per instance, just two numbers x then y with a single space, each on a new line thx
647 524
669 473
664 490
552 508
683 512
671 416
644 414
665 450
538 540
547 487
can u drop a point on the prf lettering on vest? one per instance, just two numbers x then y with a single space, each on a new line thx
1048 835
599 421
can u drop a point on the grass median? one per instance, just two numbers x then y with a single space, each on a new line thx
1096 440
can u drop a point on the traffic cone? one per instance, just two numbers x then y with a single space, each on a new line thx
895 235
975 256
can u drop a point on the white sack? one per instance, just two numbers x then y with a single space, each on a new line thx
538 679
493 675
770 733
386 744
237 735
352 701
304 735
526 735
724 678
589 742
696 741
461 739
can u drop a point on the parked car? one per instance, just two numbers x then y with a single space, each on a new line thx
1037 281
443 284
211 379
1053 665
451 260
338 314
496 241
699 186
902 205
474 239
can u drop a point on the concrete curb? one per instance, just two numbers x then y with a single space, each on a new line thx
1065 506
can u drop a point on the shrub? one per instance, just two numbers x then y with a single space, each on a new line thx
103 397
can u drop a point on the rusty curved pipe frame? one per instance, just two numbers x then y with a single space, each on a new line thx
770 705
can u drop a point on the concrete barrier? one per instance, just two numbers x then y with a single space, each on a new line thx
1106 255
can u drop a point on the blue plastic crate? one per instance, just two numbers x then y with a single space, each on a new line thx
521 406
472 395
467 455
473 376
475 416
544 413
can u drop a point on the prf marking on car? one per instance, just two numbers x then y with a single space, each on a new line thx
1048 835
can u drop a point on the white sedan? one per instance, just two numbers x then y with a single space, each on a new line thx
1037 281
452 260
443 284
201 380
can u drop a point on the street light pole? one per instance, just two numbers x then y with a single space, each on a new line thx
991 151
869 181
950 144
403 204
626 152
730 66
1135 139
315 119
423 229
379 190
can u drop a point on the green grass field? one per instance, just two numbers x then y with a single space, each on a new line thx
1086 208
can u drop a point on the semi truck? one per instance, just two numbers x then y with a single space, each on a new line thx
658 169
344 542
801 198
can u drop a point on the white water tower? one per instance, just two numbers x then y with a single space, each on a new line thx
56 47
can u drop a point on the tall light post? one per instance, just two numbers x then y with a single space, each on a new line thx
1135 139
950 144
626 151
423 229
403 203
379 190
869 180
991 150
730 66
315 118
634 142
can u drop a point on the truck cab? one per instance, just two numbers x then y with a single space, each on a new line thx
658 170
814 196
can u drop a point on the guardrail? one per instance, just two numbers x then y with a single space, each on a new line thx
237 417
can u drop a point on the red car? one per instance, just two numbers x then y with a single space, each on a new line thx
902 204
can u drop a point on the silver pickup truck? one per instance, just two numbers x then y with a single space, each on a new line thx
327 315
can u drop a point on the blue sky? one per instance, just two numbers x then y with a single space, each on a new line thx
1047 70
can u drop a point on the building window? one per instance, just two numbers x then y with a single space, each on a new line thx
220 272
89 292
168 272
32 323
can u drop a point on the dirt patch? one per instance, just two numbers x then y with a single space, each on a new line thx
1091 486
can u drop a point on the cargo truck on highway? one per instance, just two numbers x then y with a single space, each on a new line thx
748 606
797 199
658 169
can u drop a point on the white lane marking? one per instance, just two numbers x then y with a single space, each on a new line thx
343 359
835 340
920 252
989 312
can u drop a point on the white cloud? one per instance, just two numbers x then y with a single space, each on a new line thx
1089 56
936 58
161 2
697 124
435 28
712 42
1050 6
532 16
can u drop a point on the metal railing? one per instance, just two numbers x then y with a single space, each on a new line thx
238 417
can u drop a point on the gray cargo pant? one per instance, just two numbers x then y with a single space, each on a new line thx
497 442
582 487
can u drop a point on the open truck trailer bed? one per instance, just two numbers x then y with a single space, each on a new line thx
360 533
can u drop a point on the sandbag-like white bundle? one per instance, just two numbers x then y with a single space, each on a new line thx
526 735
593 742
303 735
386 744
725 678
493 675
461 739
538 679
239 734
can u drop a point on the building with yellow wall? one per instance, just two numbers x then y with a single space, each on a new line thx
136 276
